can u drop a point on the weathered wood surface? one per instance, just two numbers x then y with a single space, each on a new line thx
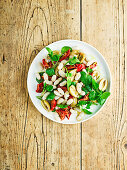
30 141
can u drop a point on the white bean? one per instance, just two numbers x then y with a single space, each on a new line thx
38 76
45 76
60 66
73 111
61 73
48 82
79 87
66 95
82 93
60 91
54 87
78 75
81 83
57 81
57 93
53 78
63 83
64 101
69 101
45 95
60 100
57 97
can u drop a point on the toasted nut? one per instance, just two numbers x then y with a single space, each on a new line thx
57 93
60 66
60 100
63 83
78 75
46 105
60 91
53 78
79 87
81 57
95 75
66 95
74 102
57 81
70 101
45 95
57 97
61 73
80 116
103 84
73 91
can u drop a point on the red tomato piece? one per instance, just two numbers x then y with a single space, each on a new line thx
86 97
45 64
93 65
53 104
61 114
65 55
70 97
50 64
80 67
70 67
39 88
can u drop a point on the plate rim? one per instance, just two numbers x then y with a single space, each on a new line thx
110 77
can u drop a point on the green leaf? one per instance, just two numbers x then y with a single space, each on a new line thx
68 83
65 49
41 73
51 96
43 88
49 88
92 95
95 85
105 95
89 70
62 106
49 50
88 105
101 101
54 110
73 60
55 57
73 83
39 97
80 97
68 74
50 71
86 111
39 81
86 79
82 102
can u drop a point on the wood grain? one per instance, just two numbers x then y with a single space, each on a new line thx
28 140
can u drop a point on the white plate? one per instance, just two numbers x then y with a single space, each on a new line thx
36 67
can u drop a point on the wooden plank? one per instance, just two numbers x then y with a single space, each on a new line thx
104 140
29 140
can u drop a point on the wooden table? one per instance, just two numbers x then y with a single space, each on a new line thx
28 139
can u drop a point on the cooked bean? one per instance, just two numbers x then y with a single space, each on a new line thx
63 83
57 93
38 76
53 78
57 81
66 95
69 101
60 100
45 95
57 97
60 66
60 91
61 73
79 87
78 75
45 76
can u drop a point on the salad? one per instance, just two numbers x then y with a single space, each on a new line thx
69 83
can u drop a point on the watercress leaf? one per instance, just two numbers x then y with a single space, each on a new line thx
50 71
73 60
73 83
39 97
51 96
49 50
65 49
80 97
56 57
83 77
88 105
41 73
49 88
68 74
101 101
92 95
68 83
82 102
88 87
86 111
89 70
62 106
89 79
105 95
95 85
39 81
